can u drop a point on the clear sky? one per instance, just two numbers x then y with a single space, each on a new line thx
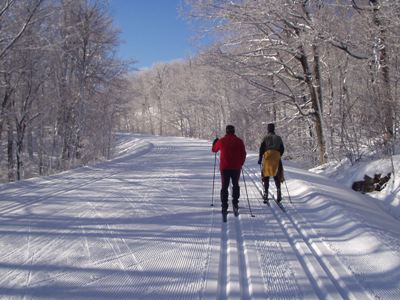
152 31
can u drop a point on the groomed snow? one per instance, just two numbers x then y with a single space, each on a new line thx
141 227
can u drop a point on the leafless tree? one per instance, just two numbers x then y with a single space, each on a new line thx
60 83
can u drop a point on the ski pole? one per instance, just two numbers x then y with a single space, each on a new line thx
262 181
290 199
212 197
245 186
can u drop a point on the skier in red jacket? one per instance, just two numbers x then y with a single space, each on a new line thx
232 157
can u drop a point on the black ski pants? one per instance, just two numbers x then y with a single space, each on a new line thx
277 179
226 177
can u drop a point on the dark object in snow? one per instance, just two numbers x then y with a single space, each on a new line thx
381 184
358 186
370 184
224 216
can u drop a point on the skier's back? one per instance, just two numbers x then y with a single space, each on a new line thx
271 151
232 157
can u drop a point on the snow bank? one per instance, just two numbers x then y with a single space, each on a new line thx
129 144
346 174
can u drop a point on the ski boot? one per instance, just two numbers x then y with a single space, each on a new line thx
224 216
265 197
236 210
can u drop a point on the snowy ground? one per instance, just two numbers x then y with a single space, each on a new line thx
346 173
141 227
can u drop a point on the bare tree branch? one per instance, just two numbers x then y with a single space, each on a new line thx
22 30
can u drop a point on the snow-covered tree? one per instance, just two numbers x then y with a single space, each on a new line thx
58 79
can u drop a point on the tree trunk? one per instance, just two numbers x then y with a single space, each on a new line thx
316 104
29 143
10 150
19 149
40 149
383 64
5 104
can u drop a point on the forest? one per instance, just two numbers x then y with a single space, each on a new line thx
61 86
326 72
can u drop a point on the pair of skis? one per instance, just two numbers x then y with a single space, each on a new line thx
280 205
265 197
266 201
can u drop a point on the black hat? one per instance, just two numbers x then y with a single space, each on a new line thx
230 129
271 127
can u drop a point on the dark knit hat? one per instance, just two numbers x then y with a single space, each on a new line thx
230 129
271 127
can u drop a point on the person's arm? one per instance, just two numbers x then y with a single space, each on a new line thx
281 148
216 145
243 153
261 152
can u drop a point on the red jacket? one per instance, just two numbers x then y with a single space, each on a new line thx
233 152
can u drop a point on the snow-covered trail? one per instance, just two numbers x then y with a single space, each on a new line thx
141 227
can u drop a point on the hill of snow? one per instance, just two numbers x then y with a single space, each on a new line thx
346 173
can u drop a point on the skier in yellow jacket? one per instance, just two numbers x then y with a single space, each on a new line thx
271 151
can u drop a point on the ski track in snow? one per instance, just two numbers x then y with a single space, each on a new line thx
141 227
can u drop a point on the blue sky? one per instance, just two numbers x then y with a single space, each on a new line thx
152 31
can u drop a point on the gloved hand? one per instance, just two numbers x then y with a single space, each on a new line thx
259 161
216 140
